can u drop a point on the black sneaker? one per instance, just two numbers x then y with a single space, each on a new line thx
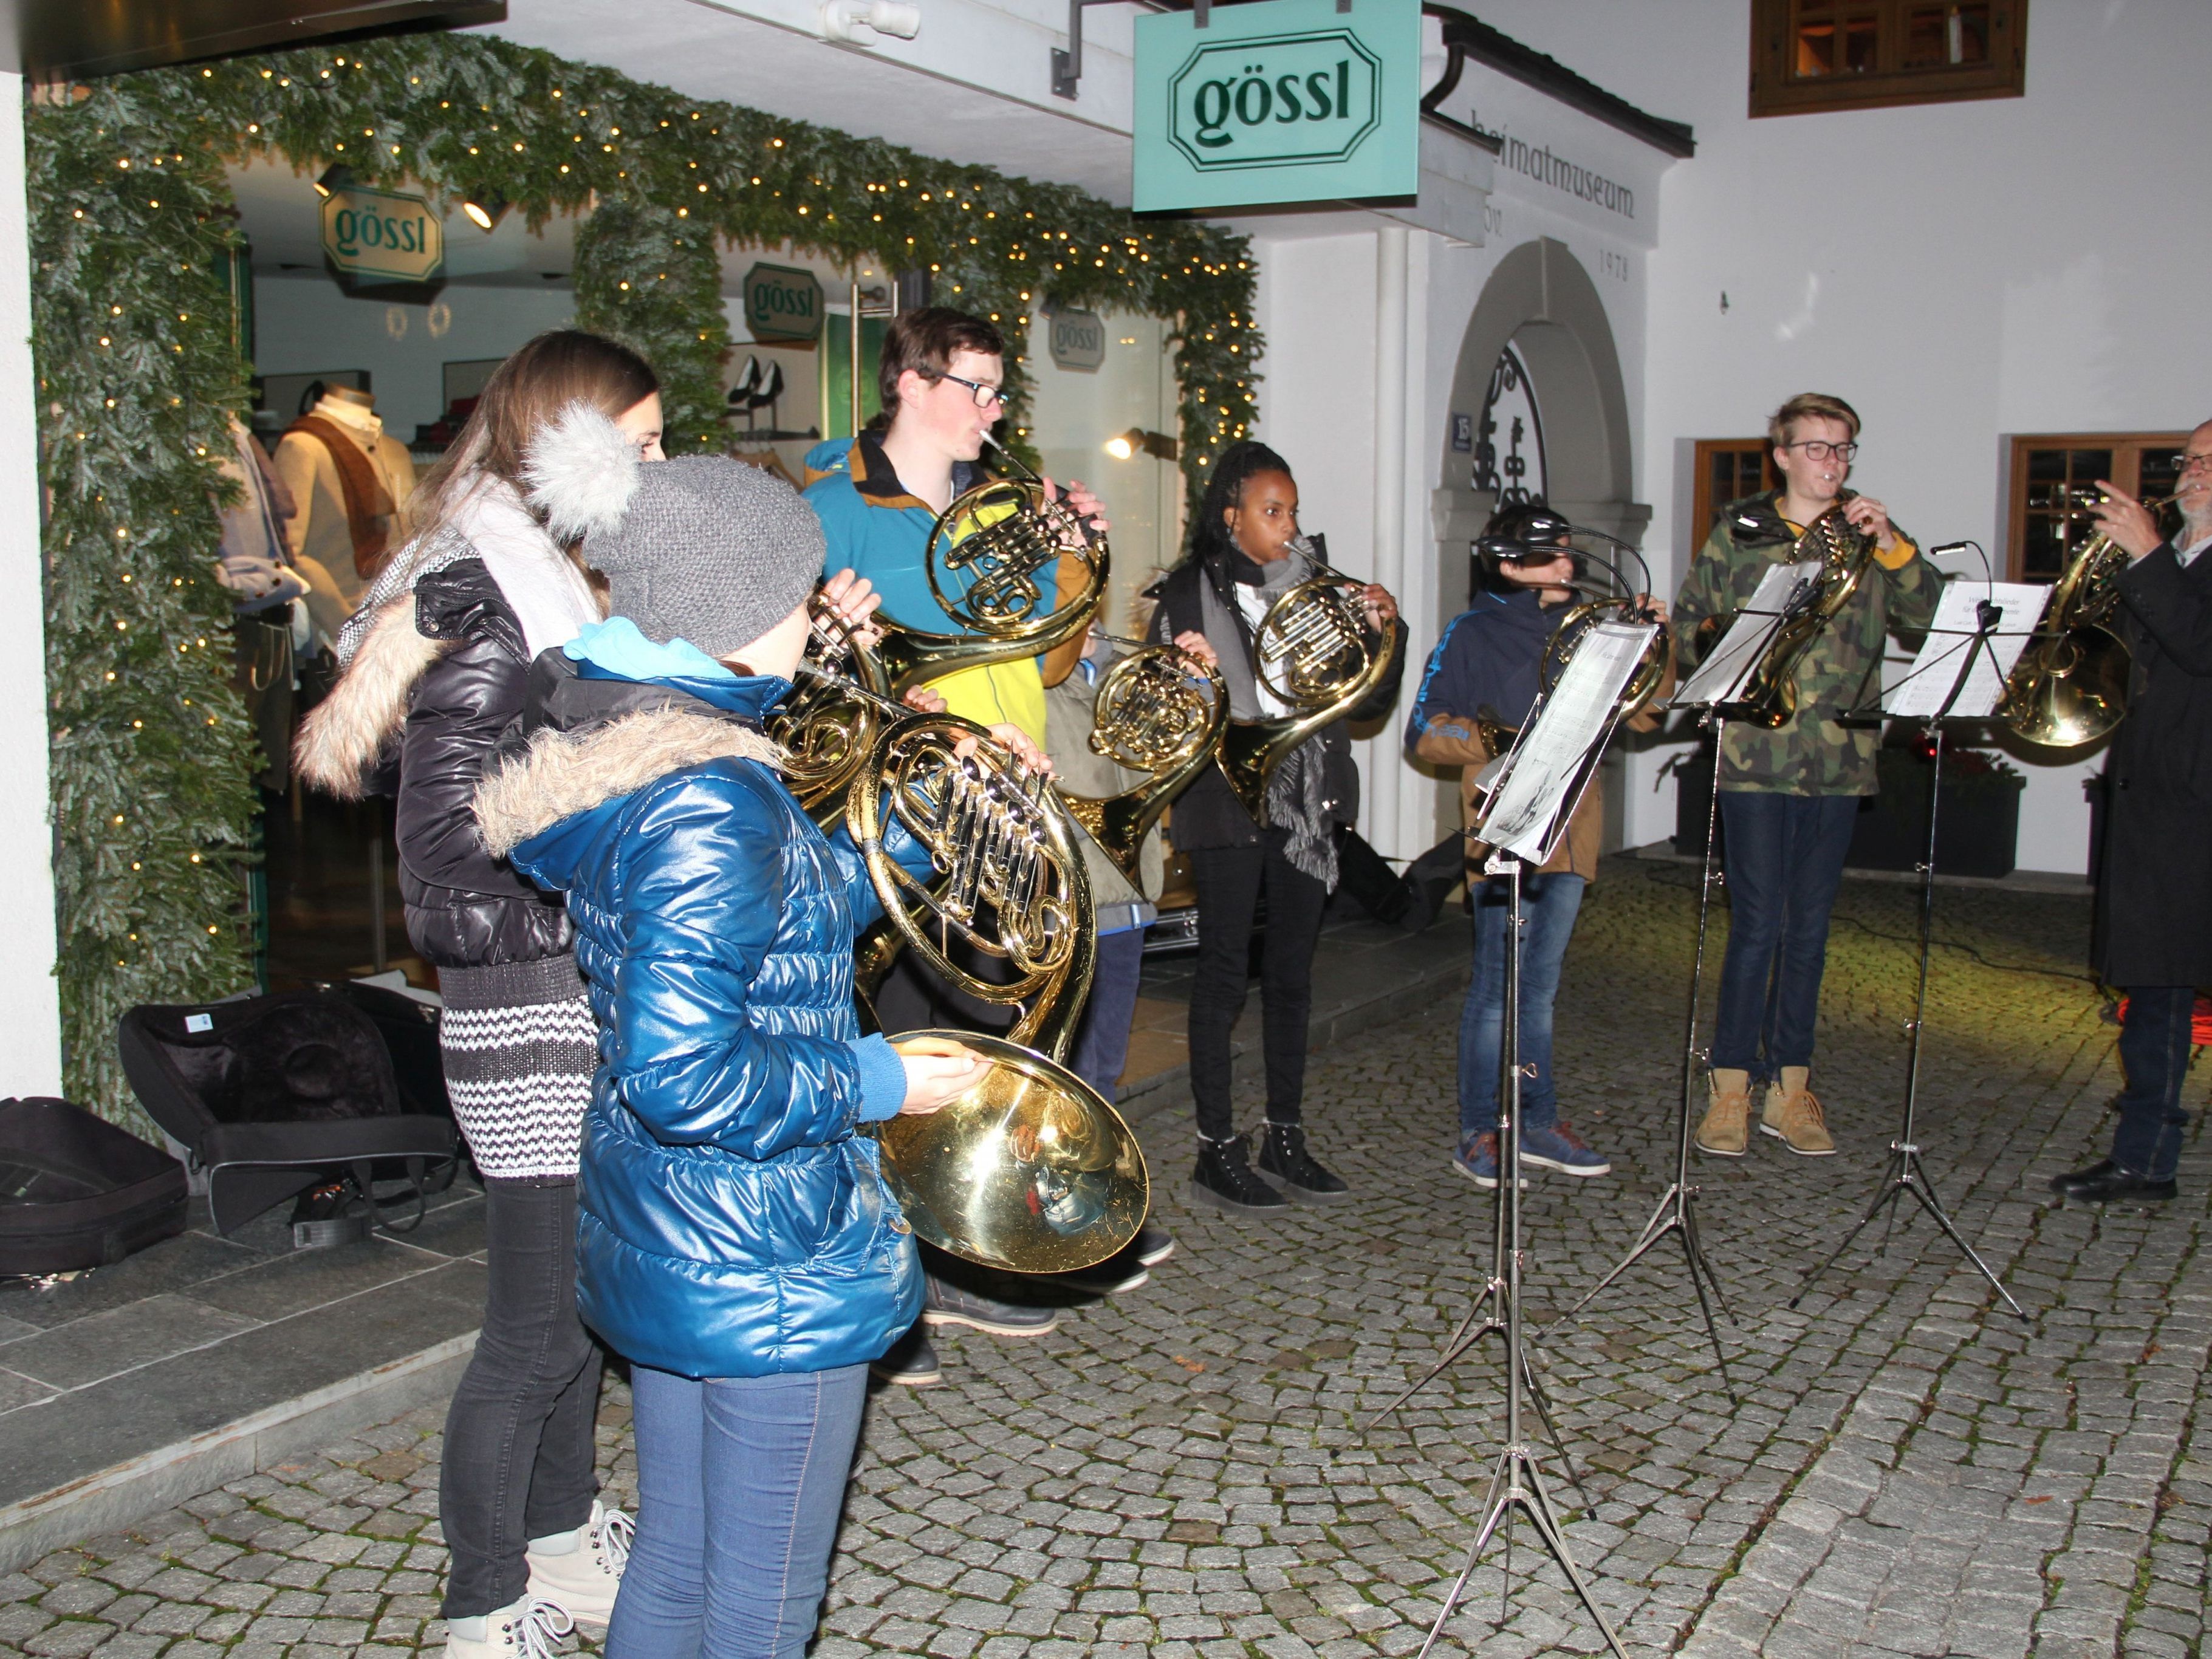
1152 1245
1225 1180
2106 1182
1122 1271
1283 1154
911 1363
949 1303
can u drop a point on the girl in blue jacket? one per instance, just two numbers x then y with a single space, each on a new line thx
736 1242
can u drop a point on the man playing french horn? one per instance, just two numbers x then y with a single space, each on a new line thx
1789 794
2154 917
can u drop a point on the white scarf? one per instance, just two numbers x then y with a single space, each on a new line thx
540 583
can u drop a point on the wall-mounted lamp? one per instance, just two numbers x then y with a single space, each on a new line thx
334 179
841 18
485 213
1158 445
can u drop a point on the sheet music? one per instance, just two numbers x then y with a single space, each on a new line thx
1531 807
1719 677
1922 693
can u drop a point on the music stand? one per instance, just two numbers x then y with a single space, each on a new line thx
1905 1172
1537 785
1715 687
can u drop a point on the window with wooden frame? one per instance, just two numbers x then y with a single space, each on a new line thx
2054 484
1729 469
1809 56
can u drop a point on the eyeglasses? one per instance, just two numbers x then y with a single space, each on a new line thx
1816 450
987 397
2188 463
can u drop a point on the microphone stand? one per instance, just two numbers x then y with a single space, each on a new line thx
1906 1172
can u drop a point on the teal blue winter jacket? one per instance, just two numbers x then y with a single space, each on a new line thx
734 1221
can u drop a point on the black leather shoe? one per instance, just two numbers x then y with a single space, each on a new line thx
1283 1154
2106 1182
1224 1179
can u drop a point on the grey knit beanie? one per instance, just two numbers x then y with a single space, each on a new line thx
698 548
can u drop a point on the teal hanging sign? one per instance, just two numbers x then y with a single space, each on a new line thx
1278 100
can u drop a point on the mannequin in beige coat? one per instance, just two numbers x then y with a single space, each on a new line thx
320 533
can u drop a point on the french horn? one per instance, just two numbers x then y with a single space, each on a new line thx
1559 650
1030 1169
2070 684
1159 710
829 722
1768 698
988 558
1314 652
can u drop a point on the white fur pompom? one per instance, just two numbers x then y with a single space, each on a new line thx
582 471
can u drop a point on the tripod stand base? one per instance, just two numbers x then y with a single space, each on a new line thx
1905 1176
1677 1215
1518 1484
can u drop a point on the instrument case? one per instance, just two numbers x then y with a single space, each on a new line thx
76 1192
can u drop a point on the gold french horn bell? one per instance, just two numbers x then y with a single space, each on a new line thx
1159 710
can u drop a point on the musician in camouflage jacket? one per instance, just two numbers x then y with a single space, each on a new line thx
1789 796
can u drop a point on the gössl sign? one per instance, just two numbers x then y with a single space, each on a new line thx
383 235
1278 100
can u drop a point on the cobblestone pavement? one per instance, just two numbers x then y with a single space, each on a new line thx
1902 1468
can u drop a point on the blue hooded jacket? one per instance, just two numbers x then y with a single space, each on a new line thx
731 1222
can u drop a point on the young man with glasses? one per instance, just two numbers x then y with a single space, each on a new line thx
2153 936
1789 797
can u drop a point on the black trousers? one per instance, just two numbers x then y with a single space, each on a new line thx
518 1458
1229 880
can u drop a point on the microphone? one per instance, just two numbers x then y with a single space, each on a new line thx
1953 547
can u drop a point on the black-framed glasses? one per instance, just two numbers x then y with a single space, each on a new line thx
986 395
1819 449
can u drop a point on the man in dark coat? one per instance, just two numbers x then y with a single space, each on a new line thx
2153 926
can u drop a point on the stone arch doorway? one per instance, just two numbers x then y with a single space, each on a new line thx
1540 302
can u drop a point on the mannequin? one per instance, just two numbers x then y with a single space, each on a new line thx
336 550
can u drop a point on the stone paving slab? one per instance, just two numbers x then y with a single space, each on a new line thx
1187 1470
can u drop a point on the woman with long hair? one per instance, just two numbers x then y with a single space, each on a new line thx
434 669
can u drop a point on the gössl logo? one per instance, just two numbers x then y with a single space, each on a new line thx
1275 101
382 233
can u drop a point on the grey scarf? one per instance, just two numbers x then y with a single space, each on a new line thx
1297 799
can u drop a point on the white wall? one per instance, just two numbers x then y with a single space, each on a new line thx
1960 272
30 1004
308 324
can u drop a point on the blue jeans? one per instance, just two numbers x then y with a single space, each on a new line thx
2154 1054
1548 904
1102 1044
1785 865
739 1481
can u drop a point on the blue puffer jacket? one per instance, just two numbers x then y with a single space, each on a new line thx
733 1223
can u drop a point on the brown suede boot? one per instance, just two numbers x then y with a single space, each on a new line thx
1726 1128
1794 1117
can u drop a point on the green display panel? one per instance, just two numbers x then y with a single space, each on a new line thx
837 371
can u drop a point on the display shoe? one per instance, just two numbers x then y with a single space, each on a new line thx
747 383
1725 1129
1152 1245
1477 1159
530 1629
770 386
2106 1182
582 1570
1283 1154
1121 1271
1793 1116
1561 1148
946 1303
1224 1178
911 1361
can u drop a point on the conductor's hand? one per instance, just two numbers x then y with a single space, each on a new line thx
1192 643
937 1071
1871 517
1382 609
2126 520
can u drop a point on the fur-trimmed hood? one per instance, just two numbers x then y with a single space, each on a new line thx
345 736
561 774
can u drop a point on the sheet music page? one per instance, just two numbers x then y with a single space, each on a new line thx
1719 677
1536 797
1922 693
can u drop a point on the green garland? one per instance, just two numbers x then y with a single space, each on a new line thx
132 219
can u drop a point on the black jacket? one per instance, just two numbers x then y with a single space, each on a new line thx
1208 814
2154 916
419 711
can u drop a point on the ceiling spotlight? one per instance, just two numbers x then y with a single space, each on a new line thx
1136 440
334 179
486 212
